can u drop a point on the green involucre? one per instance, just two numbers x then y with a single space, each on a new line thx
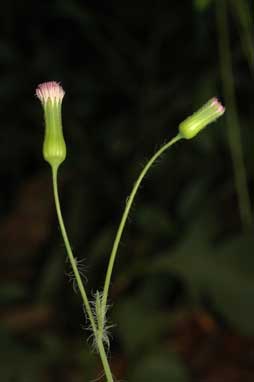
54 148
208 113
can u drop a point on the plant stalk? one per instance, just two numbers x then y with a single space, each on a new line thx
81 288
125 216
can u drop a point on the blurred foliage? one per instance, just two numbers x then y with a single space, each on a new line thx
184 279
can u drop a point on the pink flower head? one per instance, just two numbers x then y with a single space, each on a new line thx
218 105
51 95
207 114
50 90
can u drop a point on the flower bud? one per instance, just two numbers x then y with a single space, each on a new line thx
51 95
199 120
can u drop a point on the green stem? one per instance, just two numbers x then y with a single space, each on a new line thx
234 135
104 360
125 216
72 260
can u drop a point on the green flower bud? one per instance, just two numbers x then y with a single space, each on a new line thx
54 149
199 120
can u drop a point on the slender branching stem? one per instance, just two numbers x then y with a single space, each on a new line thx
125 216
81 288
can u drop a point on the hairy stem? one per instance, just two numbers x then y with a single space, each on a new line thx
81 288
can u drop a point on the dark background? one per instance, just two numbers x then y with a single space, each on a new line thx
183 284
